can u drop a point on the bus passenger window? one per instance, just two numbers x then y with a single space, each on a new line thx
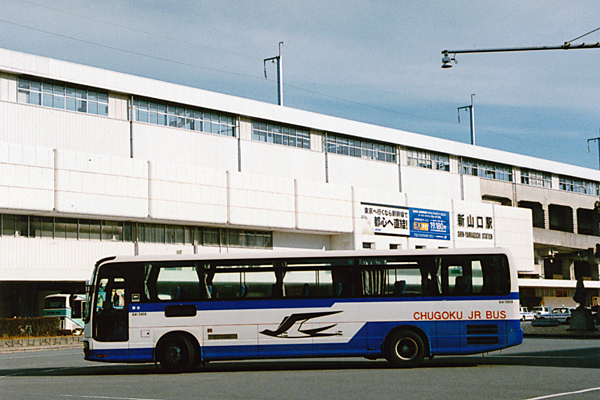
258 284
300 284
455 276
226 285
477 276
326 285
101 296
178 284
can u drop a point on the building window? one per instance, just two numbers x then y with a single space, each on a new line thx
578 186
183 117
536 178
360 148
287 136
487 170
538 214
560 218
31 226
425 159
63 97
236 238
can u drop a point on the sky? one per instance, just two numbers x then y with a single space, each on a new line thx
372 61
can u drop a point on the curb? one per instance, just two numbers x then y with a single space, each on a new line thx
559 331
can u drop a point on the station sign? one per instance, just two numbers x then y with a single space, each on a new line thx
474 227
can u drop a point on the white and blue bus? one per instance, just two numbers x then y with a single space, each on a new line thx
184 310
69 308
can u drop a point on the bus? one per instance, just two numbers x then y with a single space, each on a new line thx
402 305
69 308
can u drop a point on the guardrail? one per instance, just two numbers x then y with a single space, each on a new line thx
30 343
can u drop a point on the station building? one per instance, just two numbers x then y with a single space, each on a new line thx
96 163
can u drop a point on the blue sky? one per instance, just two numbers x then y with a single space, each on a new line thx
372 61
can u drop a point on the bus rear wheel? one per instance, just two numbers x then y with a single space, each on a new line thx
176 354
405 349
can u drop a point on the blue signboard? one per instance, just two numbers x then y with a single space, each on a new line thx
429 224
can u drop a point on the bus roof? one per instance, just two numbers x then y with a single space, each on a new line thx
313 254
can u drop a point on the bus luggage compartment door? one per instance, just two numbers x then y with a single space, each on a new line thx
482 336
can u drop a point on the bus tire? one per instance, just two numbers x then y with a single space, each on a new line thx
176 353
405 348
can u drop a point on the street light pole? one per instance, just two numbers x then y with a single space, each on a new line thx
447 60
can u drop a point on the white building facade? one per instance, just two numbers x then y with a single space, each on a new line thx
96 163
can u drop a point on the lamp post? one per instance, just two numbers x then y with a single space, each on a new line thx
447 60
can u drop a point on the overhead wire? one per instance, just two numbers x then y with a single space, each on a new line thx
129 51
180 40
585 34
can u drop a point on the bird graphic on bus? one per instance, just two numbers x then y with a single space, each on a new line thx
299 319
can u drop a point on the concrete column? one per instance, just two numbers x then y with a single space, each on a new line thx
569 265
546 216
575 227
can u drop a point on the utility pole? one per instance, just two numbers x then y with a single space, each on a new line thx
596 139
472 114
279 61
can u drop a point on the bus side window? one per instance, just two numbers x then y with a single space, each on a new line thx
476 276
403 280
101 297
495 275
456 280
178 284
300 284
432 279
258 284
310 283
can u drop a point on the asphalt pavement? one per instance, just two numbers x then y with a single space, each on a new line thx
540 368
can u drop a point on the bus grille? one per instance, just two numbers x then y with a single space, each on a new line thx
478 334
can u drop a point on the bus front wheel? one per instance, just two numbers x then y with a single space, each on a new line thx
176 353
405 349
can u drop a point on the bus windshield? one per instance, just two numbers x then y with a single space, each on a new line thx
54 302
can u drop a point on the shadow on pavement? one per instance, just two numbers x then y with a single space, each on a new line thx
573 358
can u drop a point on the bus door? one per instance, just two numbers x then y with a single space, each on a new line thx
111 316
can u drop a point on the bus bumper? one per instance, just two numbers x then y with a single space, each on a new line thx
117 355
514 333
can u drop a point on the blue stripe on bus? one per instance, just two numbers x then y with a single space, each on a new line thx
246 304
444 338
121 355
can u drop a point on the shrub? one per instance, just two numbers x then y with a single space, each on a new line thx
29 327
